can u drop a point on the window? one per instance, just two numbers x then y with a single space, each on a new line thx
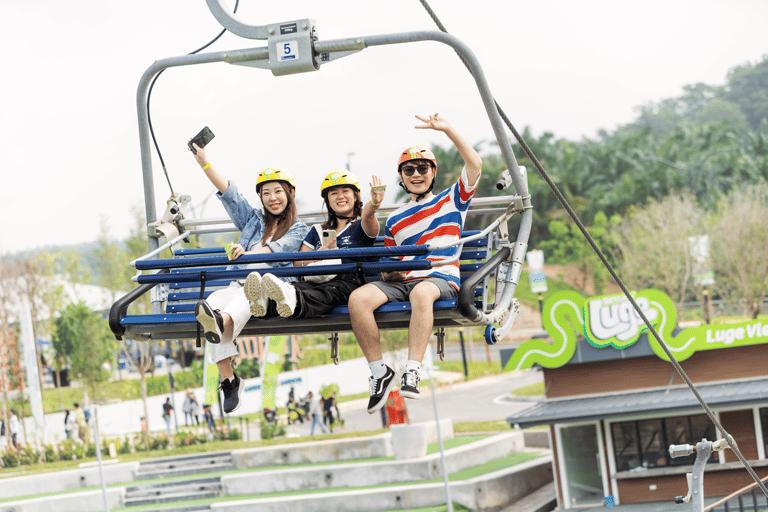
764 426
645 443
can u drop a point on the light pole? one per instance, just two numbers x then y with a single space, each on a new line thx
349 158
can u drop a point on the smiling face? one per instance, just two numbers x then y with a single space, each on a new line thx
342 200
274 197
422 174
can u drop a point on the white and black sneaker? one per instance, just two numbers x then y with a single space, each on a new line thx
232 389
211 320
410 387
380 389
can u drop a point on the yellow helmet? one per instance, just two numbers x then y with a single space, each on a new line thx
338 178
274 174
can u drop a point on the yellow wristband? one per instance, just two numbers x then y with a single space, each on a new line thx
375 204
206 166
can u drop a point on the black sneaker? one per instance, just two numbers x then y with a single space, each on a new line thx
410 387
211 320
380 389
232 390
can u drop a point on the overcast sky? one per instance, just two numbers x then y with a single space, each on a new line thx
71 70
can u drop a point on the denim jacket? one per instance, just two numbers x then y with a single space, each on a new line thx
250 222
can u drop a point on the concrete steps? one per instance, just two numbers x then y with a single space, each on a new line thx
169 467
166 492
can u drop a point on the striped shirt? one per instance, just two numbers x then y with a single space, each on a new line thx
438 220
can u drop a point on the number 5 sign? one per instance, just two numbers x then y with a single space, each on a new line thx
289 50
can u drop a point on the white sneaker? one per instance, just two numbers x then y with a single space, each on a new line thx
255 294
281 292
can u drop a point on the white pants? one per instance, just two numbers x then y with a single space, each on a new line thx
230 300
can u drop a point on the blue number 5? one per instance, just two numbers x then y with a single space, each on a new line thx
287 48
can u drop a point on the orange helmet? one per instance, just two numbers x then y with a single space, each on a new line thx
416 153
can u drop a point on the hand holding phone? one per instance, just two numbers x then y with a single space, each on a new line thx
328 235
201 139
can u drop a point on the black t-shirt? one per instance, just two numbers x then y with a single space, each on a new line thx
167 408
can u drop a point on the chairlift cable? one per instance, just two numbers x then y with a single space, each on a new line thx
149 96
729 439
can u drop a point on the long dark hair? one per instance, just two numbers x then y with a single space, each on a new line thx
285 220
333 220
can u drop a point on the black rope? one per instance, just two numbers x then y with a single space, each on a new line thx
149 96
571 213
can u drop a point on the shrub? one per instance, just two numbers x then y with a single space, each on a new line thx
123 445
67 449
28 456
50 453
159 443
10 460
272 431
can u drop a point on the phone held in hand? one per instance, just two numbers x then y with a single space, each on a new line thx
201 139
328 235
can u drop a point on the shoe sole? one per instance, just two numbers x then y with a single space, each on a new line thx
239 394
383 401
409 394
275 292
204 315
252 290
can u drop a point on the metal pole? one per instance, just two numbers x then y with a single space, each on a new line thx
448 501
173 400
98 456
463 353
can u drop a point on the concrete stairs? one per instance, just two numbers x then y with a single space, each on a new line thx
169 467
166 492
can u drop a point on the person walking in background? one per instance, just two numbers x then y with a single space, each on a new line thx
70 424
186 407
82 425
13 428
167 408
315 412
194 407
208 417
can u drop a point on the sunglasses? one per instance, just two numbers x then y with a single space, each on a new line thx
408 170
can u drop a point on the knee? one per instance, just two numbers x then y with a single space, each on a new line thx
362 300
424 295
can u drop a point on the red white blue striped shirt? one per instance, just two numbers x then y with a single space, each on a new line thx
437 220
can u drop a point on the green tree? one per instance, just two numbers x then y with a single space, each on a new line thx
82 338
739 234
568 247
652 248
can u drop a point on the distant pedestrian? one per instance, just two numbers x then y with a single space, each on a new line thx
13 427
194 408
167 408
187 407
208 417
70 424
315 412
82 424
327 412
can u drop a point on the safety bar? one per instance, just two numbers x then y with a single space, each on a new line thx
120 307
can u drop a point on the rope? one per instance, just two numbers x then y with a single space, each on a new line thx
571 213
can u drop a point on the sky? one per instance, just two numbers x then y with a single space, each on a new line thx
71 70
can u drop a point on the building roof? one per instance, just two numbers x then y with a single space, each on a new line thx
677 400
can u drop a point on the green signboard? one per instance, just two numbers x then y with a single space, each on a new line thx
610 322
270 369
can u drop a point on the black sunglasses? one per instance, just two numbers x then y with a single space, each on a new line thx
408 170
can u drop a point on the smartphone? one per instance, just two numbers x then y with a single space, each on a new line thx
328 235
201 139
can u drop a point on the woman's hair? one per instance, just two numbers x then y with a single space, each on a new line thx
333 220
285 220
